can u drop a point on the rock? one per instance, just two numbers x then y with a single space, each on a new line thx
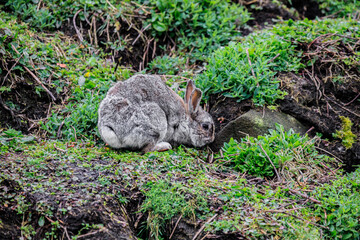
255 123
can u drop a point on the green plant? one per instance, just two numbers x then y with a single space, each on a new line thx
252 155
74 70
164 201
52 14
345 134
248 69
168 65
200 26
11 139
339 210
339 8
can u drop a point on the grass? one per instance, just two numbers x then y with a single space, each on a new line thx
173 183
248 69
284 148
199 26
44 180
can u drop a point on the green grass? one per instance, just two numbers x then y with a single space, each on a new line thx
340 210
53 14
339 8
74 70
248 69
166 200
198 26
283 148
235 190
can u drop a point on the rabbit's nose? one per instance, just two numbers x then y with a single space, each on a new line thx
206 126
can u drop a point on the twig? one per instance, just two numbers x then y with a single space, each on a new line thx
11 68
315 224
248 56
282 211
321 149
165 76
59 130
95 31
89 234
176 224
304 195
277 55
76 29
277 174
59 149
203 226
38 81
327 168
140 33
342 107
66 232
352 100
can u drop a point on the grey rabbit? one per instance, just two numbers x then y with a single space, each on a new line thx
143 113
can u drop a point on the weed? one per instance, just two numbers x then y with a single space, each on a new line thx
52 14
252 155
200 26
345 134
11 139
338 7
248 69
164 201
339 210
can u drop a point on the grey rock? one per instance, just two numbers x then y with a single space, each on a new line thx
255 123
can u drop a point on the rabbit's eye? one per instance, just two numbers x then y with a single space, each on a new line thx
205 126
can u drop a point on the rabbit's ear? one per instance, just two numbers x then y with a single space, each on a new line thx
189 89
195 100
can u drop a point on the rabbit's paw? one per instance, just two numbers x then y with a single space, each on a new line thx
162 146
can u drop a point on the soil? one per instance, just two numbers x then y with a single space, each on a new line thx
318 104
21 107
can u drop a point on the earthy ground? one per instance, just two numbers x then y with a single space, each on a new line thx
311 99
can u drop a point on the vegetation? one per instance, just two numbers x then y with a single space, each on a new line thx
165 201
57 178
339 210
282 148
200 26
345 134
248 69
339 8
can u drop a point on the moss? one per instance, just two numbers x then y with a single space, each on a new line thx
345 134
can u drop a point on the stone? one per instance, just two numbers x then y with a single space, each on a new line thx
255 123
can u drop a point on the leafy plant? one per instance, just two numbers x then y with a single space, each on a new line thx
339 209
51 14
252 155
345 134
164 201
12 139
339 8
200 26
248 69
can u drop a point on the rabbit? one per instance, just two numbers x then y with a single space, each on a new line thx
143 113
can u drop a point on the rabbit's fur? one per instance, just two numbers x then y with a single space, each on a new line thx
142 113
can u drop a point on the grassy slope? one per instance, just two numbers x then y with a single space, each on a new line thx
174 183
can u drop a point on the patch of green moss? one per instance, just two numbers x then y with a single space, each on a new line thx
345 134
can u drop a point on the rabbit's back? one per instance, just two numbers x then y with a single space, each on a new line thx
138 110
147 88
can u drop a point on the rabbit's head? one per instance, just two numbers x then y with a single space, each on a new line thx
202 129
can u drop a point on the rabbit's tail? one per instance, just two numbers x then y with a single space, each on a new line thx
110 137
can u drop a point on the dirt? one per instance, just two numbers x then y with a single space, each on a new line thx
22 107
317 104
